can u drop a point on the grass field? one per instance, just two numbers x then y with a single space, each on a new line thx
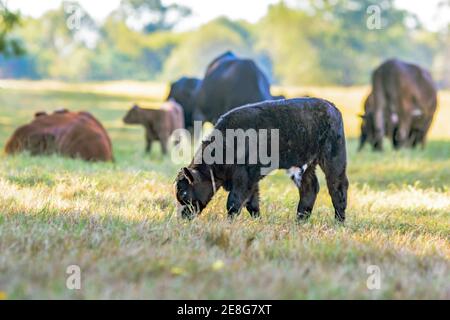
117 222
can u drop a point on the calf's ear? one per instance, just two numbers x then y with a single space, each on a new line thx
188 174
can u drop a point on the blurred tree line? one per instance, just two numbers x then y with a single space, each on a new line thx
317 42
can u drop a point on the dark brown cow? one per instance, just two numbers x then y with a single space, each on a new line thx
401 105
72 134
159 124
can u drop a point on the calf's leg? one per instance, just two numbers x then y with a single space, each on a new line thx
148 146
308 190
240 192
337 183
333 164
404 129
164 139
253 203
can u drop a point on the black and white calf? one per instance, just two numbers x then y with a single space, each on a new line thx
310 132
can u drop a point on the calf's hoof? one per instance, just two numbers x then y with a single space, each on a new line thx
303 216
232 215
340 217
254 214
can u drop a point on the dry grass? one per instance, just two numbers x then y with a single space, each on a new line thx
118 223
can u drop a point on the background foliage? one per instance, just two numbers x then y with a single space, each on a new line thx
313 42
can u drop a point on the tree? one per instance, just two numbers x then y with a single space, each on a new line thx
58 42
441 67
331 42
199 47
285 34
152 15
9 46
126 53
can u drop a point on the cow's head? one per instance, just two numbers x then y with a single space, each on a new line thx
367 130
193 191
368 127
184 91
133 115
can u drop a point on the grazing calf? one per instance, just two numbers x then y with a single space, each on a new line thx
159 124
73 134
310 133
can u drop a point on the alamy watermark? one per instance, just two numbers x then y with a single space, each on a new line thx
374 17
234 146
74 16
374 12
374 279
73 281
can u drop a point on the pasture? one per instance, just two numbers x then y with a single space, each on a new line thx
117 221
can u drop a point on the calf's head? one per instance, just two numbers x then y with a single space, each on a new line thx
368 128
193 191
132 116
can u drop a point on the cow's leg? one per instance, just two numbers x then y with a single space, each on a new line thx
176 138
308 190
148 146
414 137
422 139
164 147
239 193
148 140
405 121
403 132
253 203
379 113
422 133
164 142
395 138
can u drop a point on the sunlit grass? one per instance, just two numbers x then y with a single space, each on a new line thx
118 221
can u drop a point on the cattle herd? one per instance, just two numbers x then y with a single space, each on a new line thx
235 94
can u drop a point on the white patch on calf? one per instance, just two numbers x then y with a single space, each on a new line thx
296 174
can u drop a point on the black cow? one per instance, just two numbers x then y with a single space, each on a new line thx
183 92
310 133
229 82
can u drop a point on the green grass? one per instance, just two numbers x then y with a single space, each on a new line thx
118 221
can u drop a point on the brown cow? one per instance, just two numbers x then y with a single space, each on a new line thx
401 105
159 124
72 134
